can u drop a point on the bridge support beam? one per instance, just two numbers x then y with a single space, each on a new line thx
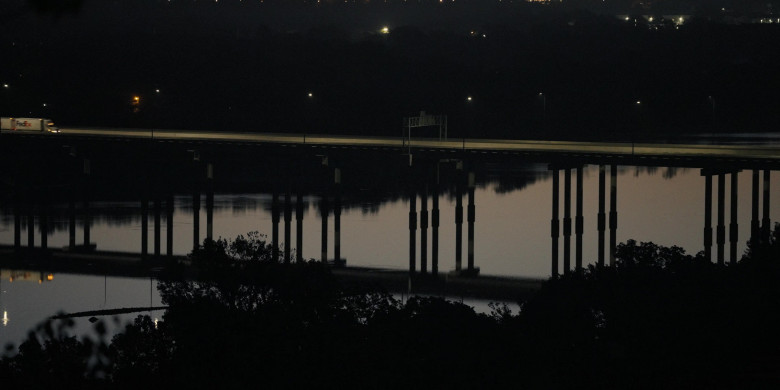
435 231
30 226
765 228
299 227
157 212
471 217
169 226
44 226
412 231
555 222
602 220
578 223
209 202
196 219
613 216
337 260
755 229
144 227
287 227
733 226
567 221
707 215
324 217
721 232
424 231
275 225
71 223
458 226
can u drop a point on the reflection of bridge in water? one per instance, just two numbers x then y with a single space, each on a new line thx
429 168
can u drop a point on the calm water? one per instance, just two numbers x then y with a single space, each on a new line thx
512 234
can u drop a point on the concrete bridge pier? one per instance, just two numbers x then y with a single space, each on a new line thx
275 225
424 231
602 220
721 229
555 221
733 226
324 211
435 229
299 227
287 223
765 228
337 260
755 229
578 223
196 218
209 202
613 215
169 226
144 226
566 221
471 218
458 227
30 226
412 231
707 214
157 217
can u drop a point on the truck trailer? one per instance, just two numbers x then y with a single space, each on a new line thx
41 125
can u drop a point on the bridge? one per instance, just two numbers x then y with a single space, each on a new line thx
636 150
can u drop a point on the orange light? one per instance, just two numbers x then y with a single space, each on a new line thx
50 277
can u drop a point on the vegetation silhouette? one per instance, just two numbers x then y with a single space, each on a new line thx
660 318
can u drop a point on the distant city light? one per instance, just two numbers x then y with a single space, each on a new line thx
5 317
5 85
157 90
638 102
468 98
310 94
44 104
385 30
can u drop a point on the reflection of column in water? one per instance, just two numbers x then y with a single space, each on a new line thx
299 227
754 224
412 231
287 222
578 223
707 215
766 228
424 230
733 232
612 213
470 217
602 216
567 221
554 222
721 233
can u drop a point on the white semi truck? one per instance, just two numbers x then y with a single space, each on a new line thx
41 125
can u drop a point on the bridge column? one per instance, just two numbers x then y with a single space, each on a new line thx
471 219
17 225
71 222
275 225
458 226
554 223
87 218
721 232
44 225
435 226
754 223
299 228
733 230
766 229
578 224
412 231
567 221
337 217
196 219
209 202
613 216
324 216
144 227
424 231
707 215
169 226
602 220
30 226
287 223
157 216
